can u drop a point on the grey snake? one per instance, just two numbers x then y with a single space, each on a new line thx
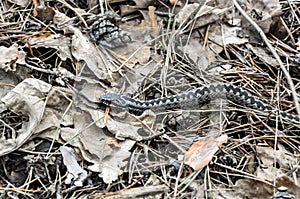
201 95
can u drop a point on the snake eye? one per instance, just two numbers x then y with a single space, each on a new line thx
106 98
112 99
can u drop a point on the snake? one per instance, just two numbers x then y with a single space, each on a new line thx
201 95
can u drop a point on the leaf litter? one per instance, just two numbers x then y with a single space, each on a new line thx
57 133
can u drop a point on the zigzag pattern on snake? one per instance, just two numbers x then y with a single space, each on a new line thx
201 95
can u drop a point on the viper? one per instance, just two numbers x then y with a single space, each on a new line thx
201 96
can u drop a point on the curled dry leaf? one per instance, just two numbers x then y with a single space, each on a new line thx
201 152
113 165
27 98
125 126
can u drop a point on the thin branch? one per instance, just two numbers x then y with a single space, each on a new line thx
74 10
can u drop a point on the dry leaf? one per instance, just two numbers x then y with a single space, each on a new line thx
10 57
22 3
201 152
75 171
206 15
27 98
269 158
265 13
84 50
244 188
107 155
58 42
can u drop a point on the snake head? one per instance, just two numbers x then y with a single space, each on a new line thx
114 99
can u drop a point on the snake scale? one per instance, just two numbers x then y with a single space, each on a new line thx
201 95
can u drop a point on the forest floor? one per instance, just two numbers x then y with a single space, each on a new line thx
60 140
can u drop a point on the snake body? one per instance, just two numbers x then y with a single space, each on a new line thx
201 95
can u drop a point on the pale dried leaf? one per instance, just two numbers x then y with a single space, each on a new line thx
106 153
88 91
92 138
201 56
135 52
113 164
206 14
263 55
123 130
28 98
129 125
10 57
84 50
60 19
267 155
57 103
22 3
57 41
76 173
224 35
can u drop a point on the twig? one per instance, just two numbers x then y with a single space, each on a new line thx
273 51
47 71
74 10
